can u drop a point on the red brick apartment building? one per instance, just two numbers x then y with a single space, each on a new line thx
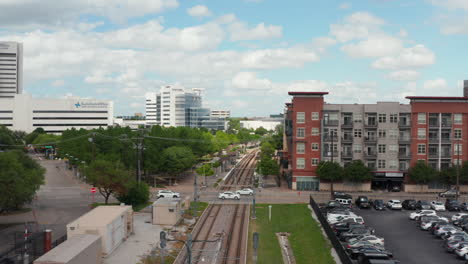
388 137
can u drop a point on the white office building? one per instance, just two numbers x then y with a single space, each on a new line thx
220 113
11 69
22 112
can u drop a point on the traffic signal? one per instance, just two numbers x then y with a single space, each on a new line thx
162 239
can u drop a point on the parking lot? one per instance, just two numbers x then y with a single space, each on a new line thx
408 243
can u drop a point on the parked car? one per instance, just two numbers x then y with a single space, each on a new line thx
462 250
342 195
464 206
366 256
394 204
332 205
451 246
419 213
443 230
168 194
409 204
452 205
426 225
355 252
437 205
422 204
395 188
245 191
437 225
343 198
449 193
459 216
229 195
362 202
369 238
355 232
379 205
344 226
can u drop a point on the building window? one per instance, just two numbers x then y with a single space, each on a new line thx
381 164
382 133
457 162
393 148
422 118
357 132
457 149
315 131
315 146
315 162
300 148
393 133
457 118
392 164
357 118
457 133
422 149
382 118
300 118
421 133
300 132
300 163
315 116
357 148
393 118
382 148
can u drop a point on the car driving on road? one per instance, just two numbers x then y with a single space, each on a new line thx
229 195
449 193
168 194
245 191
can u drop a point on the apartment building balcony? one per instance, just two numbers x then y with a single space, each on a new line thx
404 124
404 155
403 168
347 139
330 122
370 140
347 154
329 154
370 125
404 140
347 124
370 155
434 123
444 140
328 138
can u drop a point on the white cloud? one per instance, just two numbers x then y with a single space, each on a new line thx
58 83
374 46
240 31
404 75
136 105
435 85
345 5
321 44
414 57
249 80
403 33
358 25
278 58
451 4
199 11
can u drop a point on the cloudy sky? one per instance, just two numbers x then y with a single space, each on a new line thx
247 54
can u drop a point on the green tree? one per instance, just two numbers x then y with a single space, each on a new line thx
464 172
267 149
175 160
108 177
261 131
268 166
448 175
357 171
234 125
135 194
20 178
421 173
45 139
205 170
330 171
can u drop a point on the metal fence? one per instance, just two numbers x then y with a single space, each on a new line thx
27 249
345 259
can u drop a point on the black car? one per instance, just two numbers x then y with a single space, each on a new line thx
354 252
362 202
345 226
464 206
365 256
342 195
452 205
422 204
395 188
378 205
409 204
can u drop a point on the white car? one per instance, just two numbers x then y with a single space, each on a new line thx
394 204
356 219
370 238
457 216
462 250
229 195
443 230
419 213
245 191
336 217
438 205
168 194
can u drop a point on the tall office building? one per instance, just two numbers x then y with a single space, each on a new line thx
11 69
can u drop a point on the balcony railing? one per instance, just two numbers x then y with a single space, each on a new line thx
330 138
444 123
404 155
330 122
370 139
348 154
347 139
347 124
404 139
329 153
370 124
370 155
443 140
404 124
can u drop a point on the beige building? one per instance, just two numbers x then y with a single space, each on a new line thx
113 223
167 211
78 249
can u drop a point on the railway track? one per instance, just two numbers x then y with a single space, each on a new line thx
227 224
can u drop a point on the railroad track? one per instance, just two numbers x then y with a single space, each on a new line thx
225 223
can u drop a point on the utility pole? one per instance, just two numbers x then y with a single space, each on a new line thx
332 154
458 168
254 216
195 195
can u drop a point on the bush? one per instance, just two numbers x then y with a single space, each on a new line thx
136 194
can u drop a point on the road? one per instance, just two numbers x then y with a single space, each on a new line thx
59 201
405 240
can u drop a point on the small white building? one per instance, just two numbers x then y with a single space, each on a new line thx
113 223
167 211
254 124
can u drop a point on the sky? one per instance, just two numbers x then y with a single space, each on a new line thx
246 54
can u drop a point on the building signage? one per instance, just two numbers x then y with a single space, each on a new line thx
91 105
